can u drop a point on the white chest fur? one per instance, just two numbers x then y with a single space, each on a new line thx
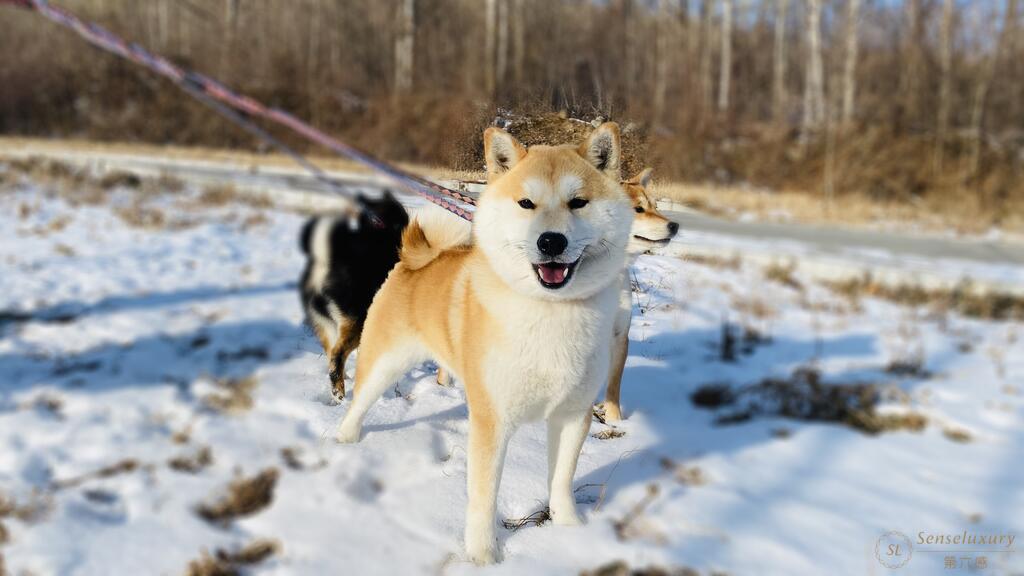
551 356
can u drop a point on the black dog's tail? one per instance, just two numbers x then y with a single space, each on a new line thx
306 236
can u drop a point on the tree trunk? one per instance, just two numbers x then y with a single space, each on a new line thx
1016 70
779 73
912 63
663 63
814 89
405 43
490 42
518 41
163 16
946 80
502 56
850 64
707 38
726 58
985 83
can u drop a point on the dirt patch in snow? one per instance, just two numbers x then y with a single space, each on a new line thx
229 563
244 497
804 396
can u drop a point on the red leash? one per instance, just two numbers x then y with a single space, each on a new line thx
206 90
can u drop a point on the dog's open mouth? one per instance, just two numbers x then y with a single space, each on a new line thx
554 275
662 241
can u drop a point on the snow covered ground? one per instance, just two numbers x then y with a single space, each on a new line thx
125 351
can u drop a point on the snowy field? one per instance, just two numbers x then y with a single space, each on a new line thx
152 356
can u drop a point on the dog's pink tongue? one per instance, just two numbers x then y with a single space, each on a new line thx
553 273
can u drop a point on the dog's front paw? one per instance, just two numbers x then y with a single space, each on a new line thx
482 553
337 384
338 393
612 412
347 434
565 516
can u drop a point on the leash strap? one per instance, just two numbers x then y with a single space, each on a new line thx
237 107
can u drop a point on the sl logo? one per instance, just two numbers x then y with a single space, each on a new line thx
893 549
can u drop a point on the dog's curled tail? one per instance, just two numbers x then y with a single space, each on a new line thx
430 233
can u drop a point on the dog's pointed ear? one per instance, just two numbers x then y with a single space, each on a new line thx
501 152
603 149
643 179
389 197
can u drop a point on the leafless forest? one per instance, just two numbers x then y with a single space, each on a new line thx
918 101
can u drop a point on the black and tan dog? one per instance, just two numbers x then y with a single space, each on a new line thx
348 258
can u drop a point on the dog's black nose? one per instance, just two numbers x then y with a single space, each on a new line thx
673 227
552 243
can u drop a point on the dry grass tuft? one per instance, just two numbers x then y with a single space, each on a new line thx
908 367
554 129
630 527
46 402
218 195
233 395
803 396
194 463
964 299
139 215
538 518
717 262
958 435
225 563
688 475
244 497
609 434
783 274
38 507
294 460
126 466
621 568
120 179
163 184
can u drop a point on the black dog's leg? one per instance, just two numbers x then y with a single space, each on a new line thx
348 340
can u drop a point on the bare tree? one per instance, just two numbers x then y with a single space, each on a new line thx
502 56
405 41
163 11
814 84
946 79
518 40
707 37
1011 30
664 60
726 57
913 60
850 63
779 68
984 83
490 44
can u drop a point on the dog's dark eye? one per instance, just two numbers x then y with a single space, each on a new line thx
639 209
578 203
526 204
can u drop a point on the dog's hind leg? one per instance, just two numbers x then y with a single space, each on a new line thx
620 350
566 432
488 440
443 377
348 340
376 371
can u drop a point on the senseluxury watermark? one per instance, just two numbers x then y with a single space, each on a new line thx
893 549
962 550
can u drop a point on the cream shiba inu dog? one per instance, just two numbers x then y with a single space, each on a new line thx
523 316
650 229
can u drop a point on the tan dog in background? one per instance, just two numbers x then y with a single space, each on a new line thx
650 229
